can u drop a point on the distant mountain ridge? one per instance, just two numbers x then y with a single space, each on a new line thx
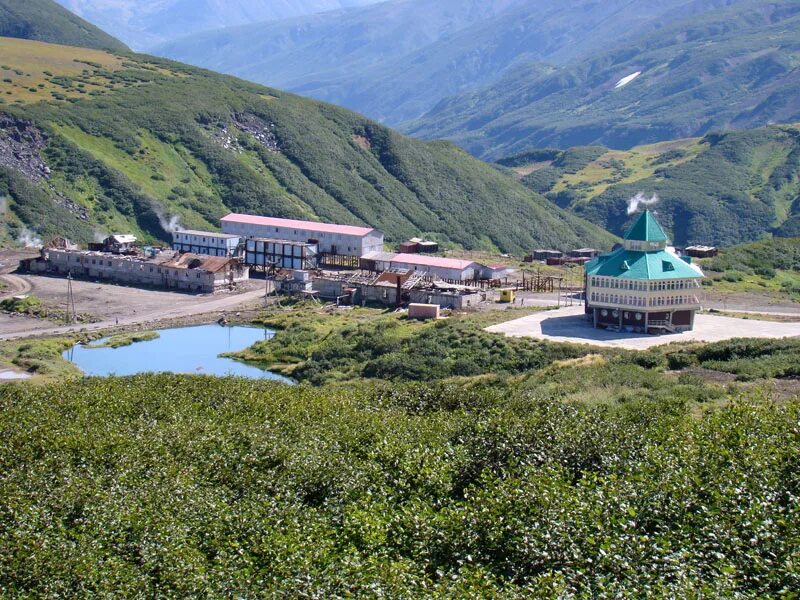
732 68
46 21
144 23
394 61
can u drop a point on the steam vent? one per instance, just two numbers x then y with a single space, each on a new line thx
644 286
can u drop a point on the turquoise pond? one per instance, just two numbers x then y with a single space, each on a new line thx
193 350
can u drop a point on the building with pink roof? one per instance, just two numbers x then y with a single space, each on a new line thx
343 240
433 266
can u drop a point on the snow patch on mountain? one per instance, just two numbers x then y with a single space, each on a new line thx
626 80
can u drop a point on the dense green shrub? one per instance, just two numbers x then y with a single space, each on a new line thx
179 486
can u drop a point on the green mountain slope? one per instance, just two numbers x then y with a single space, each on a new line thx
46 21
93 142
722 189
735 67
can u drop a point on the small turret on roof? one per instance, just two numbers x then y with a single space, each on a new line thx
646 229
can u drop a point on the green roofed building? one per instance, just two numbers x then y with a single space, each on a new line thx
643 286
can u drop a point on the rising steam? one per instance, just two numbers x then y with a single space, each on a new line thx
171 224
29 239
640 200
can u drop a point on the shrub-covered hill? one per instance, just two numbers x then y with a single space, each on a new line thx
92 142
181 486
733 67
723 189
47 21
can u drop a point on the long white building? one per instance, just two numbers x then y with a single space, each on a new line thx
342 240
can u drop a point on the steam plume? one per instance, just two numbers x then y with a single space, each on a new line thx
640 200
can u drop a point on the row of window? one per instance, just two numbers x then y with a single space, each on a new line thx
129 265
196 239
637 245
638 301
637 285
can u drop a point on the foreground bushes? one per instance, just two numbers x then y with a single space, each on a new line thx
178 486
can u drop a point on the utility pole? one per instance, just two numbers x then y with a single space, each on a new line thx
72 316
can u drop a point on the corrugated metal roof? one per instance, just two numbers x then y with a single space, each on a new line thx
123 239
382 256
433 261
212 264
295 224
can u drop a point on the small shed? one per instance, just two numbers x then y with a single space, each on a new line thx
409 247
423 312
508 296
701 251
545 254
428 247
584 253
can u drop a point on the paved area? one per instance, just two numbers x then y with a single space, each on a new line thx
569 325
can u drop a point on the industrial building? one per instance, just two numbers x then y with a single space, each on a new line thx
116 244
433 267
169 269
394 288
281 254
336 240
584 253
415 245
543 255
206 242
643 286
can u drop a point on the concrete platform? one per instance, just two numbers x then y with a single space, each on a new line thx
570 325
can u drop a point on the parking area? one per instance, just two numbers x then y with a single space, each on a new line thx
570 325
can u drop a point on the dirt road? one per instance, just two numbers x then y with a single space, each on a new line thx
15 285
200 306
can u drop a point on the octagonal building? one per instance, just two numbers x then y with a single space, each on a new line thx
643 286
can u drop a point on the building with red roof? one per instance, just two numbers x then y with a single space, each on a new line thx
343 240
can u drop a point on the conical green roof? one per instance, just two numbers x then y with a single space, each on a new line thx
646 229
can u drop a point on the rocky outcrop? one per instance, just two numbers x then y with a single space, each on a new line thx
260 130
20 145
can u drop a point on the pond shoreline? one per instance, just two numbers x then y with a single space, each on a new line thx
189 349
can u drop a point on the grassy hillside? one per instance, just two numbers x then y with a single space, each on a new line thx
93 142
188 486
46 21
734 67
722 189
771 266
